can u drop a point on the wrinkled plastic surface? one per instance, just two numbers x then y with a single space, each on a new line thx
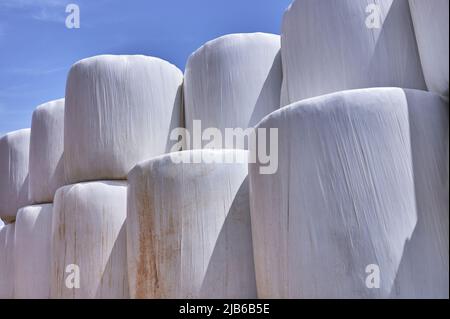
333 45
119 111
7 267
233 81
32 252
431 25
14 152
46 165
188 229
362 180
89 237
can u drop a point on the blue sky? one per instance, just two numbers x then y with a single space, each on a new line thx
37 50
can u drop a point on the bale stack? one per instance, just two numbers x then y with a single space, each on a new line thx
34 222
95 207
188 224
363 174
119 111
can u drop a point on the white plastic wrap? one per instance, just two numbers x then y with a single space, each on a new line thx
89 241
342 198
233 81
32 252
46 165
7 261
334 45
424 270
431 24
188 228
119 111
14 152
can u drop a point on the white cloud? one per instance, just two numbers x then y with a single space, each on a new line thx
13 111
32 3
13 90
33 71
49 15
41 10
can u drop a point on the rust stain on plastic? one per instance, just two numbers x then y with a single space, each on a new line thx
147 280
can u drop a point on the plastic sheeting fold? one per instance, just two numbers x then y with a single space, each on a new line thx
431 25
32 252
7 267
46 165
119 111
362 181
233 81
333 45
89 258
14 152
188 228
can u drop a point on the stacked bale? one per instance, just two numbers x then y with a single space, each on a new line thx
233 81
188 224
344 196
362 178
32 252
7 266
89 232
33 223
431 25
189 229
46 165
119 111
334 45
361 182
424 271
14 156
14 151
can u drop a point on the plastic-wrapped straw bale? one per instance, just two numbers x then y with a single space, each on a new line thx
32 252
341 207
7 267
431 25
119 111
233 81
424 270
88 246
188 228
334 45
14 152
46 165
